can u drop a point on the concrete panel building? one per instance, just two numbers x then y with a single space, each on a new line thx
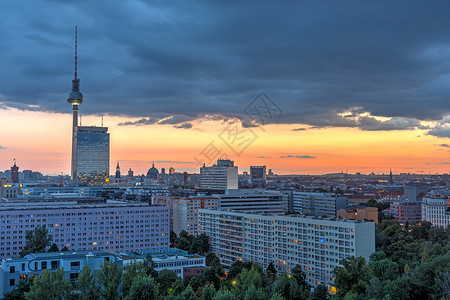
436 211
318 204
255 200
406 211
184 211
111 226
316 244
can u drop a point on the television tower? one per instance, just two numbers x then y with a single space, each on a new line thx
75 99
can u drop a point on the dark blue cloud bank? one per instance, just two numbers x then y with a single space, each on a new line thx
325 63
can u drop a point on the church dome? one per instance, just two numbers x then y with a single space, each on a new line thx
153 172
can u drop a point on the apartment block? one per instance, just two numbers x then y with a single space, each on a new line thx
184 210
255 200
436 211
317 244
318 204
111 226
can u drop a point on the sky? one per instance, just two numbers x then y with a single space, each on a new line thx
303 87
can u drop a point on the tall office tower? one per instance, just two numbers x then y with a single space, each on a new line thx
75 99
224 175
258 176
15 173
92 155
117 171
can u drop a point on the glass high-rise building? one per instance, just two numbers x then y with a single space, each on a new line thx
92 155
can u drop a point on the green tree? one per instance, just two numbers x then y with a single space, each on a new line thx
165 279
224 294
87 285
143 288
131 271
271 272
252 293
288 287
353 276
320 293
188 294
173 238
277 296
183 244
19 292
53 248
200 244
37 241
50 285
110 277
208 292
384 269
150 265
426 254
246 279
299 276
210 276
235 269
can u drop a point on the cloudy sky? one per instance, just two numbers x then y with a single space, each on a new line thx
349 85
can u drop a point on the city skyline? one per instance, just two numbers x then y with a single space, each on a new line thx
337 110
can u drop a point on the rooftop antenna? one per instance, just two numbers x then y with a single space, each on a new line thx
76 53
102 120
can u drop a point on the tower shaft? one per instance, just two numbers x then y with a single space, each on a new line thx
74 173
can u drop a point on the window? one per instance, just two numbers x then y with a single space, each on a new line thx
43 265
12 282
12 269
54 264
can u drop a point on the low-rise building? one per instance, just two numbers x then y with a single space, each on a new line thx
359 213
406 212
14 270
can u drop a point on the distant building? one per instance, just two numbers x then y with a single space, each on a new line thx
184 210
359 213
118 170
258 176
15 173
223 175
92 155
14 270
152 173
171 170
130 173
436 211
413 191
255 200
163 171
318 204
405 211
316 244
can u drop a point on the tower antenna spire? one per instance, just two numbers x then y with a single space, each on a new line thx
76 52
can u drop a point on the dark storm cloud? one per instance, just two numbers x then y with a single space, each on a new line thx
184 126
317 59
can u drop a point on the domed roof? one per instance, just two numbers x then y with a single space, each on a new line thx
153 172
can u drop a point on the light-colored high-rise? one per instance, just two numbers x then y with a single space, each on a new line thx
436 211
316 244
256 200
223 175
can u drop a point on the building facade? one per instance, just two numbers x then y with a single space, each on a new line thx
223 175
112 226
359 213
14 270
184 211
406 212
318 204
256 200
316 244
92 155
258 176
436 211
